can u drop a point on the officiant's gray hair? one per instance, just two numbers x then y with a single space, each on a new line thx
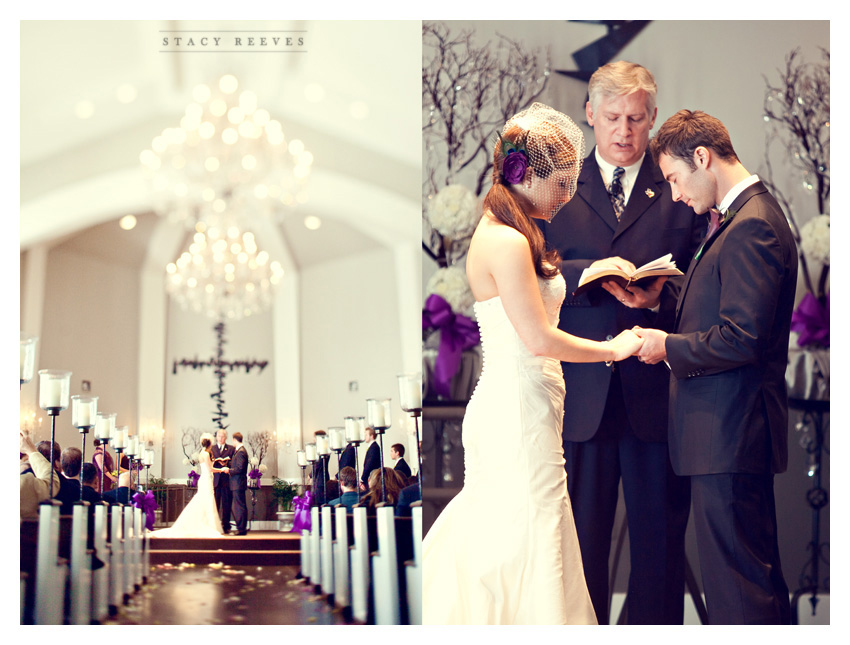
620 79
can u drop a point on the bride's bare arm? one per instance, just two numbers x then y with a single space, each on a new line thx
510 263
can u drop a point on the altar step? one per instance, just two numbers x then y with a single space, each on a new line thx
260 548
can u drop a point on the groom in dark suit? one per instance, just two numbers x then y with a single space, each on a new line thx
615 422
238 472
221 481
727 356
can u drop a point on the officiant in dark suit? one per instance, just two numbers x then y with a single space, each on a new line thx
238 481
727 353
615 423
221 480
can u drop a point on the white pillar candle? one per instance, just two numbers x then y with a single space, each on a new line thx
310 449
27 358
132 446
378 413
352 430
301 456
322 446
119 437
147 457
337 438
83 411
53 389
410 392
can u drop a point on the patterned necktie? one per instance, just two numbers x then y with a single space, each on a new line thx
615 192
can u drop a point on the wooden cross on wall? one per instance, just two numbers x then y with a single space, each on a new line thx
221 369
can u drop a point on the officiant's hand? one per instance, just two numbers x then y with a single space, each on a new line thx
614 263
654 349
636 297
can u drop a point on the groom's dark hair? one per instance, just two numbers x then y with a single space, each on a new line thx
237 436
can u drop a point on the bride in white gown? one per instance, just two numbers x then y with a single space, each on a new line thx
200 516
505 550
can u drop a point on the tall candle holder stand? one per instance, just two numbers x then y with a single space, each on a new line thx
53 397
378 417
83 417
118 452
354 428
410 400
312 458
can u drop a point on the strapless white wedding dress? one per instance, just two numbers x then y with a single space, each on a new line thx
200 516
505 550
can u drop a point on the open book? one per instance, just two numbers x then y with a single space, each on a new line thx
223 460
593 277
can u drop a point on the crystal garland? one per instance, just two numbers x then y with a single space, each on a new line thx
223 274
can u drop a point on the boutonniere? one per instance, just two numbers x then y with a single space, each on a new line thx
727 217
650 193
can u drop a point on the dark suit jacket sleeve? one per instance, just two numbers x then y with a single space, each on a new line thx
239 463
749 268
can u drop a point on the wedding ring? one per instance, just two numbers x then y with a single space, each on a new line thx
623 300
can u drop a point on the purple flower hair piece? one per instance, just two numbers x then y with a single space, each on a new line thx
516 161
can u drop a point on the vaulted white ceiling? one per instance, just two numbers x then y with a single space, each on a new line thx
351 94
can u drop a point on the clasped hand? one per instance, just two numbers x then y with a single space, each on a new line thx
654 349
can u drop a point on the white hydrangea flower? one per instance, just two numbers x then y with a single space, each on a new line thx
814 240
454 211
451 284
185 461
263 468
254 461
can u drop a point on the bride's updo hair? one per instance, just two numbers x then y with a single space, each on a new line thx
544 140
206 444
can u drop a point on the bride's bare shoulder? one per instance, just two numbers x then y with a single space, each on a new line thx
491 235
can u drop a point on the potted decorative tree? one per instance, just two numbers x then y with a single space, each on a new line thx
284 492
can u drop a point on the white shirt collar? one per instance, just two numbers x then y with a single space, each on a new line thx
628 179
737 189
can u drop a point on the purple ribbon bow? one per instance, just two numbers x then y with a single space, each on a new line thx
457 333
147 503
256 474
193 478
811 320
301 506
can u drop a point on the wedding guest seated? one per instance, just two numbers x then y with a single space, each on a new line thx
35 479
98 458
406 497
122 494
397 454
331 489
89 480
348 482
44 448
71 461
393 482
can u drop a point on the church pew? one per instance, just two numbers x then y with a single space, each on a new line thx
129 553
100 577
29 555
306 558
51 571
116 560
326 545
385 584
342 571
413 568
315 553
79 605
360 574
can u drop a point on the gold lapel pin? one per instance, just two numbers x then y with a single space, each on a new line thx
650 193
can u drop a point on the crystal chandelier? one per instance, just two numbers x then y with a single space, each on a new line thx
227 155
223 274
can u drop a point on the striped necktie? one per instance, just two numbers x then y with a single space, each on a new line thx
616 194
